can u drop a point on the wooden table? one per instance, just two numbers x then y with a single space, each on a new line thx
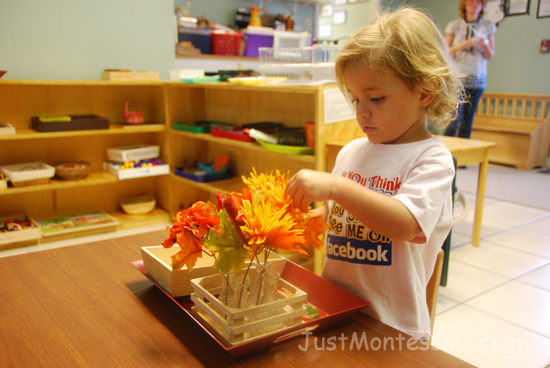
87 306
465 151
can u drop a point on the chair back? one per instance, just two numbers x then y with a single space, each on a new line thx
432 288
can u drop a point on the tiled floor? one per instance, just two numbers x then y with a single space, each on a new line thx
495 309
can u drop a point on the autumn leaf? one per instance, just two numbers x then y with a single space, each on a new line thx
229 245
191 249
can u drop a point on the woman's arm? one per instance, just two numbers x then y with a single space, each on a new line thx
459 46
488 46
381 213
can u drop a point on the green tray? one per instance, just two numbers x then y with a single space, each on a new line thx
214 78
193 127
297 150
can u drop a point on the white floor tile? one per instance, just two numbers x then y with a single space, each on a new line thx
511 214
497 259
518 303
465 282
523 240
458 239
443 304
488 227
539 277
541 226
488 342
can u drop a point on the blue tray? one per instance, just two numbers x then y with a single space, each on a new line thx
180 171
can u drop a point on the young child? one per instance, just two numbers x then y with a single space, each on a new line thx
389 195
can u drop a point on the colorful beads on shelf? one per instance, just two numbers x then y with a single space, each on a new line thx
138 163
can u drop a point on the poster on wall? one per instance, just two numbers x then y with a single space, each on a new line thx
337 108
326 11
516 7
325 30
543 9
339 17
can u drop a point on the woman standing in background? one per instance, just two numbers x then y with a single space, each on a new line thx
471 40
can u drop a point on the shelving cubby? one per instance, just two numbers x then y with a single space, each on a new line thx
22 99
163 104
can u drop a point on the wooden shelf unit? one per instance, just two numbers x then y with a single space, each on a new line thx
22 99
291 105
164 104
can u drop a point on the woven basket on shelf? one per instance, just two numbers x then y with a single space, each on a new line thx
72 170
26 183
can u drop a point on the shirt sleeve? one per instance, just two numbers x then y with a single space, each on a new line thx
451 28
492 28
425 193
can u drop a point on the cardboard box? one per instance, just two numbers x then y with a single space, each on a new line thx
13 239
130 76
156 260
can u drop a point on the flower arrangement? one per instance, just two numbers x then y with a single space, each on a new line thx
243 225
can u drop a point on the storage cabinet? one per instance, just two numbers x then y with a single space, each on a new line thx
163 104
20 100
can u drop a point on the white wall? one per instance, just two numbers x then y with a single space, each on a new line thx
77 39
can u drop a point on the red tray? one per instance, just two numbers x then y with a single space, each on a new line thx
237 135
336 302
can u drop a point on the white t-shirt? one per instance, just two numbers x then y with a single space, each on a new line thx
392 275
471 62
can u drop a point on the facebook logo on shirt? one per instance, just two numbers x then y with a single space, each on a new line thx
373 250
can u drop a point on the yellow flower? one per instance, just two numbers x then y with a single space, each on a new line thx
268 185
266 225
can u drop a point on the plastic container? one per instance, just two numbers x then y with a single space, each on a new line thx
291 39
193 173
199 38
225 43
176 75
256 40
209 170
237 135
139 172
132 153
201 126
306 63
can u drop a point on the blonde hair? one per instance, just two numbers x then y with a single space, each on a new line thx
407 42
462 8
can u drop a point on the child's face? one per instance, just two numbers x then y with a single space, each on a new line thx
386 108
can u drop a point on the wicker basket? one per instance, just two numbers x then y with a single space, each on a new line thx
28 173
26 183
72 170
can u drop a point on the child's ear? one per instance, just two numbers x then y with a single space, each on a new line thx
428 93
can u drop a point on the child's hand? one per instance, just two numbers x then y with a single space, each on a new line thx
309 186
